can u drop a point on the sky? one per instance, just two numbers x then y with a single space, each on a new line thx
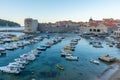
58 10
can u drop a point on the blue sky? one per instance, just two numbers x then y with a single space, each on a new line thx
55 10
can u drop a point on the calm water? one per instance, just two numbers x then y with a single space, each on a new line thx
43 68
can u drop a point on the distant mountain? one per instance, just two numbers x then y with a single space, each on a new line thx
8 23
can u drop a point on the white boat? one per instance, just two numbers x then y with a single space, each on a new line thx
42 48
26 43
73 43
96 45
110 45
72 58
94 61
10 48
66 52
21 44
74 40
17 64
11 69
15 46
2 50
35 52
47 45
29 57
21 61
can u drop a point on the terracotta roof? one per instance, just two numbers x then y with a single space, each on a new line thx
93 24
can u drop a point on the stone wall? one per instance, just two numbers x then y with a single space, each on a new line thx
47 28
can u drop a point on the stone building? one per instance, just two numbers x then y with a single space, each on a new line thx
117 33
31 25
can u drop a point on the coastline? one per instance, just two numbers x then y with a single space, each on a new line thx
116 75
111 73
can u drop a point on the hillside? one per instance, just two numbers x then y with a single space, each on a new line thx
8 23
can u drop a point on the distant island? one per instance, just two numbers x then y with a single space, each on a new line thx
8 23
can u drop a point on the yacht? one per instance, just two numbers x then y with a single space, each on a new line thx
14 69
10 48
110 45
72 58
28 56
20 44
73 43
66 53
21 61
20 65
2 50
15 46
35 52
94 61
47 45
96 45
42 48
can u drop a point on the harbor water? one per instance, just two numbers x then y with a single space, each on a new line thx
44 67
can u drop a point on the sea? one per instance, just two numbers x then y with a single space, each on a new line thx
44 67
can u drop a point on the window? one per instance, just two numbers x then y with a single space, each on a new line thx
94 30
98 30
90 30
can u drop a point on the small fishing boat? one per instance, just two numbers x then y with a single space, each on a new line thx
69 48
59 67
94 61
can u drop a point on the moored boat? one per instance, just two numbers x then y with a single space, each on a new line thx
72 58
59 67
94 61
2 50
42 48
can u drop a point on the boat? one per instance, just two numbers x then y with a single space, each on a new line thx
10 48
10 69
97 45
72 58
94 61
35 52
6 40
22 61
66 53
17 64
20 44
59 67
47 45
107 58
15 39
29 57
42 48
74 40
110 45
2 50
118 45
69 48
15 46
